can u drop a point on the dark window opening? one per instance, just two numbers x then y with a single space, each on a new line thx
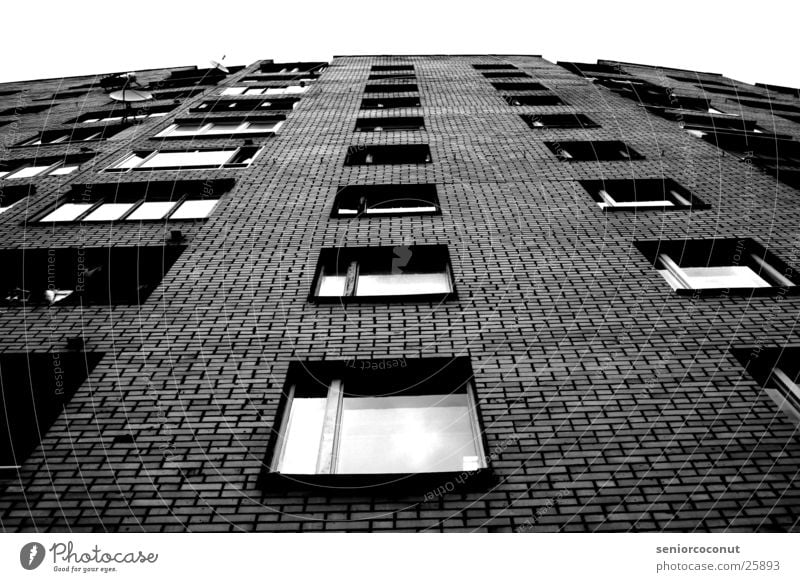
399 76
379 423
509 74
394 154
561 120
733 92
713 266
536 100
25 109
701 80
390 124
593 151
519 86
64 95
392 68
641 194
712 122
136 201
392 88
239 105
763 148
591 69
777 371
770 106
490 66
181 94
383 274
390 103
779 89
383 200
10 195
83 276
35 389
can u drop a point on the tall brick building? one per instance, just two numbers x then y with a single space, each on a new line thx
440 293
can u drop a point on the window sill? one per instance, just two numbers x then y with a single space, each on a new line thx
740 291
397 483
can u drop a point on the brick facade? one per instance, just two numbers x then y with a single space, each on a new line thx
609 402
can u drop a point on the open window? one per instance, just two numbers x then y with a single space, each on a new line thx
246 105
714 266
493 66
193 159
398 75
641 194
386 274
42 166
293 68
777 370
544 99
35 389
11 195
72 135
136 202
559 121
508 74
393 68
224 127
390 124
268 90
390 102
83 276
593 151
388 154
384 200
119 115
379 422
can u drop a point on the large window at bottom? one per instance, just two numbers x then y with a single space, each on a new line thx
379 417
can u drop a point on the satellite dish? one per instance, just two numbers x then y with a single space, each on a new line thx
130 95
220 66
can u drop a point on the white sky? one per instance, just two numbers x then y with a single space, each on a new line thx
749 41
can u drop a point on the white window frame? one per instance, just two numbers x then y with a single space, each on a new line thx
203 129
115 167
330 439
48 170
177 204
678 278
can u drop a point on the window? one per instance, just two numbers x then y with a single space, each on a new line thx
641 194
224 127
715 123
25 109
390 103
779 89
246 105
118 115
590 69
384 274
385 200
83 276
593 151
398 76
733 92
390 124
10 195
381 417
537 100
718 265
137 201
519 86
72 135
36 388
490 66
764 148
508 74
315 67
64 95
40 167
197 159
179 94
396 154
265 90
193 76
391 88
770 106
560 120
777 370
698 79
392 68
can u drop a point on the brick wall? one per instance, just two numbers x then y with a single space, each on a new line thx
609 402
